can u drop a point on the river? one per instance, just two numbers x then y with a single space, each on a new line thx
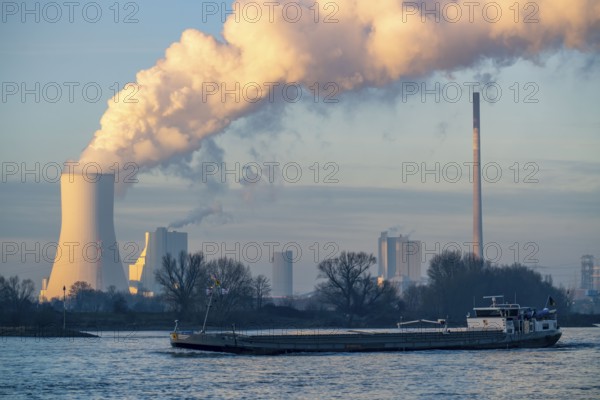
133 365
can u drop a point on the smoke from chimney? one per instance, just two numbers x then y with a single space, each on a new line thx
197 215
183 98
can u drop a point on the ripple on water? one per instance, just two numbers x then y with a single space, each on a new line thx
147 366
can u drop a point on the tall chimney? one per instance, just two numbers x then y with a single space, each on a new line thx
477 217
87 248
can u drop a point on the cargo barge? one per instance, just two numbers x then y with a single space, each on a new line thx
499 326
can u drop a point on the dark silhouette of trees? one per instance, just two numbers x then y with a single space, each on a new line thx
453 277
262 289
79 288
181 281
17 294
115 301
16 297
188 283
350 288
232 282
457 282
82 297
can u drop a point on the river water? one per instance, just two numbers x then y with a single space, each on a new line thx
123 365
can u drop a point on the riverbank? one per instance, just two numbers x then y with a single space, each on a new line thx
97 324
43 332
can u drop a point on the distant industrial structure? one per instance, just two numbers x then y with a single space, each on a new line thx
587 272
283 281
477 213
157 245
586 299
87 249
399 260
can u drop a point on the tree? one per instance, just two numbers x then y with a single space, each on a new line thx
15 294
84 298
78 288
16 299
235 281
458 281
181 280
262 289
349 285
115 301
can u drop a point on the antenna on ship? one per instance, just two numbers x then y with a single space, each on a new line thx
494 298
212 292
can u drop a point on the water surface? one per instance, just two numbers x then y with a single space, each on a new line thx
131 365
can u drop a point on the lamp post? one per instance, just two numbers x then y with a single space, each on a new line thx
64 307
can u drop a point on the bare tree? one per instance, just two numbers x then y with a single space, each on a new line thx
16 294
235 283
78 288
83 297
349 285
181 280
262 289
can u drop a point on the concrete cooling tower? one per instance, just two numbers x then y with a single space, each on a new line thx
87 249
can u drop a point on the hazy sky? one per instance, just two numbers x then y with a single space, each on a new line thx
361 158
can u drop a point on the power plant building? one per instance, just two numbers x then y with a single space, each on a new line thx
157 245
87 249
399 259
282 274
587 271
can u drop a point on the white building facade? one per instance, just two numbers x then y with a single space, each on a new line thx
399 259
283 277
158 244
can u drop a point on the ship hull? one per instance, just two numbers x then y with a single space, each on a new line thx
362 341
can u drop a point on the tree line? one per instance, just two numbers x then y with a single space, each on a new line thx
189 281
346 293
348 288
16 298
457 282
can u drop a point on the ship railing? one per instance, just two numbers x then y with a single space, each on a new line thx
268 332
265 330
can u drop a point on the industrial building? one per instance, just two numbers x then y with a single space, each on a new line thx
587 272
157 245
586 299
87 249
399 259
283 282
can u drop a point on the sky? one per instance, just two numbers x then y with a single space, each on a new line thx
383 145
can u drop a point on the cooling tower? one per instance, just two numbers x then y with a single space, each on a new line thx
477 217
87 249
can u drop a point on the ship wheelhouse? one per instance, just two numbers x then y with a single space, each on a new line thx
512 318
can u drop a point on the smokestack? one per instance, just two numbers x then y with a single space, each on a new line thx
87 248
477 217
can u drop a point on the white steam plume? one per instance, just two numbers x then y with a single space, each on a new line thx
372 44
197 215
